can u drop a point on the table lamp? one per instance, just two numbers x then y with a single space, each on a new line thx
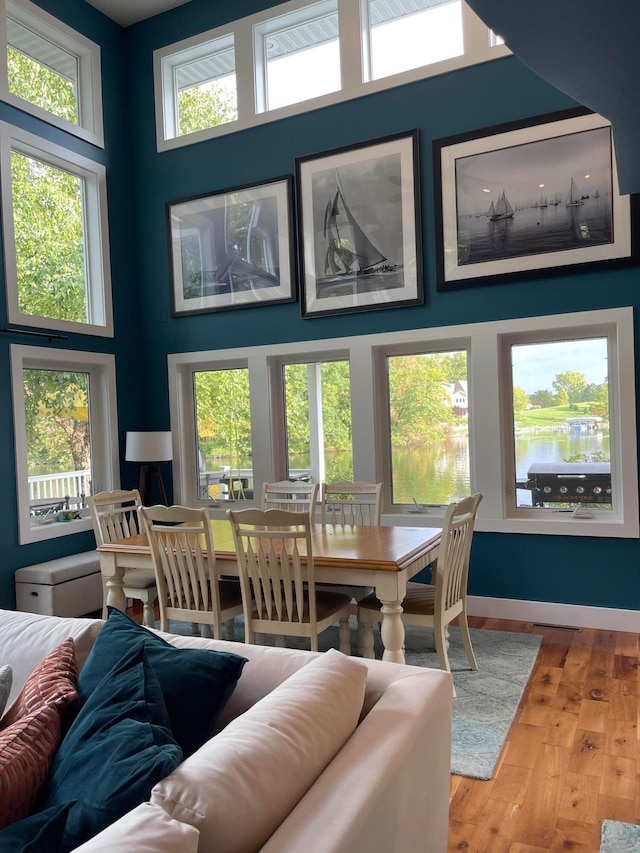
149 448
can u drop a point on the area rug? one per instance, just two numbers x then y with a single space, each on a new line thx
486 700
619 837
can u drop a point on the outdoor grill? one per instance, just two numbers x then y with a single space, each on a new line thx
569 482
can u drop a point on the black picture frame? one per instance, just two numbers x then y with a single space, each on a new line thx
232 248
359 232
504 204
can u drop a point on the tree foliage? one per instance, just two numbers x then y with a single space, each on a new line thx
200 107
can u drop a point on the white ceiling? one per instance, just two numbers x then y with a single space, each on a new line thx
126 12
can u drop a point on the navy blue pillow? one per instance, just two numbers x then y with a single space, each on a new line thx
118 747
196 683
39 833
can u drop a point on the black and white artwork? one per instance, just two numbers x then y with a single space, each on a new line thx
359 227
528 199
232 249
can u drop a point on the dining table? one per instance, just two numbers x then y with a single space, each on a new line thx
383 557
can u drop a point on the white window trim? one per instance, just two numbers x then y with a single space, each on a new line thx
87 52
104 428
250 69
99 301
488 416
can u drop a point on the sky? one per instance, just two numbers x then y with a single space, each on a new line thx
535 366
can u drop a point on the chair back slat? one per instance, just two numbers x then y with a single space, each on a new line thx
453 560
275 560
296 496
354 503
114 515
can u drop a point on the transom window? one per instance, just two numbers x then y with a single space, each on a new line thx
301 55
51 70
55 230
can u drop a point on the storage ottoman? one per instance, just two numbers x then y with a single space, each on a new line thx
68 586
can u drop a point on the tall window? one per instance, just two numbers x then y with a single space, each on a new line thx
428 417
318 416
297 56
65 418
410 33
223 430
561 429
56 253
51 70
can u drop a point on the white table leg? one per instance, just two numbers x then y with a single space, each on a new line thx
112 575
392 631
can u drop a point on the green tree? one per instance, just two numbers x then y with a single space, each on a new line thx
205 106
544 398
520 400
572 382
418 406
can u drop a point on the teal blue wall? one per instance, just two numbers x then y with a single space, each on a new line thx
141 181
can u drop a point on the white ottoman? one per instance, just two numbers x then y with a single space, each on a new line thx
68 586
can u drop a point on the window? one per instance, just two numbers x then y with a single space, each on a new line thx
51 70
561 427
434 414
297 56
65 436
55 232
403 35
300 56
223 431
318 421
428 403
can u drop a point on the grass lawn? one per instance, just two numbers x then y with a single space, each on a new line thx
553 416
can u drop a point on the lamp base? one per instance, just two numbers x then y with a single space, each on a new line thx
148 473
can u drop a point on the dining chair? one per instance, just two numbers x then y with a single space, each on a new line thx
279 594
294 496
355 503
115 516
436 605
184 561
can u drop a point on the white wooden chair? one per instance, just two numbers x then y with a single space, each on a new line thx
115 516
279 594
351 503
294 496
185 567
435 606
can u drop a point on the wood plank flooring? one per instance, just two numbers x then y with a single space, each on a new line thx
572 757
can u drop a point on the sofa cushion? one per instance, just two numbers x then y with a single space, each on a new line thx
26 638
31 731
6 680
145 829
39 833
118 747
242 784
53 682
195 683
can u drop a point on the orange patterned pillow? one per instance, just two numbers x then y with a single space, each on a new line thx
31 731
52 682
27 749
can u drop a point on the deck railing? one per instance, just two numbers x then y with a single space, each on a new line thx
49 487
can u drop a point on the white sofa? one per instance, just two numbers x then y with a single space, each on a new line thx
313 753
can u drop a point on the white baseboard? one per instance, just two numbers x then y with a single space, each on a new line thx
547 613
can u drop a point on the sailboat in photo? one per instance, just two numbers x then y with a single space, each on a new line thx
501 210
349 251
574 195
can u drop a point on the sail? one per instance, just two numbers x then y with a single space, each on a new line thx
502 209
574 195
347 255
492 210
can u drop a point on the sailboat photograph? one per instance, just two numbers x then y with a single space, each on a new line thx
359 214
517 198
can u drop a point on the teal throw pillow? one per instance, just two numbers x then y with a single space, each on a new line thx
118 747
39 833
196 683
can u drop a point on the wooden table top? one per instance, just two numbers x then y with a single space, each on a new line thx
383 548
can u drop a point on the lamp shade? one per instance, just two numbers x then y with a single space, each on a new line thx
149 447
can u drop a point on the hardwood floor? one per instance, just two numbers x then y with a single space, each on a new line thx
572 757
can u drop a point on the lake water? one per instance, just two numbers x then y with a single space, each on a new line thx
535 230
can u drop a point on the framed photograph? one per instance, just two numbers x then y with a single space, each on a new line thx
515 200
232 249
359 227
